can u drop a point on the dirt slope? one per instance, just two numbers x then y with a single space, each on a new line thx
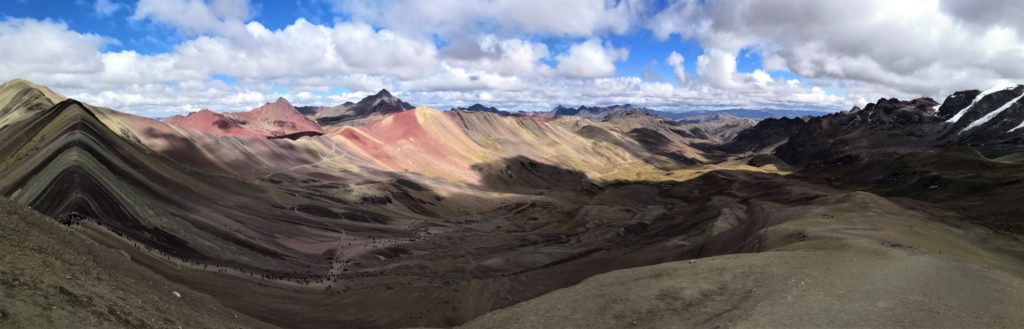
851 260
53 277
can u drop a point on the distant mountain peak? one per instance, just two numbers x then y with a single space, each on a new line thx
597 113
382 102
280 107
383 93
481 108
271 120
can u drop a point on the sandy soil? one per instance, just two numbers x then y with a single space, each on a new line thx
852 260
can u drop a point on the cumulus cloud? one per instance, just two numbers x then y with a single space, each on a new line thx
36 48
196 16
106 7
675 60
448 17
305 49
590 59
508 57
717 67
307 62
907 48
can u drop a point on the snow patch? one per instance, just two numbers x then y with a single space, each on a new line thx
998 87
1021 125
992 114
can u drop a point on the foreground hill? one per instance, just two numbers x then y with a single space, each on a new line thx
55 277
828 266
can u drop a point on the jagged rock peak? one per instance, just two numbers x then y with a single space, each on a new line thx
383 93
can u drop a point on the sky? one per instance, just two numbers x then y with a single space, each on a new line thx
161 57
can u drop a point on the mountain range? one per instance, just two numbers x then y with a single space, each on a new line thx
603 113
382 214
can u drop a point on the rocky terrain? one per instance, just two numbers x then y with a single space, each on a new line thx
381 214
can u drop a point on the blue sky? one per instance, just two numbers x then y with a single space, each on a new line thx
156 57
147 37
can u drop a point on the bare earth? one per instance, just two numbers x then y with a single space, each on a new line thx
854 260
53 277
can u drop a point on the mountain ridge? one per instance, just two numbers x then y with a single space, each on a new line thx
272 120
487 210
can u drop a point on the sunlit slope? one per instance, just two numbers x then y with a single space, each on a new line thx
246 156
448 144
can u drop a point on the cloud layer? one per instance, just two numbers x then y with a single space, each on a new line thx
495 51
914 47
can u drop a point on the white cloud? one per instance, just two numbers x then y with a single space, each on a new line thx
543 94
675 60
508 57
196 16
717 67
308 61
106 7
35 49
590 59
572 17
305 49
895 48
761 78
453 17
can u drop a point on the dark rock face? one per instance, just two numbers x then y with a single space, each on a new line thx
893 113
956 102
765 133
885 126
990 126
481 108
984 106
308 110
381 103
601 114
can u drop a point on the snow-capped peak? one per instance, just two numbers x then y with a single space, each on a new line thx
998 87
992 114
